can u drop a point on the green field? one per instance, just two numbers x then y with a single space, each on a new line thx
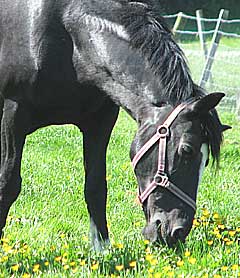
47 228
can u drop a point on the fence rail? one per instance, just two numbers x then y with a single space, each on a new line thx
213 52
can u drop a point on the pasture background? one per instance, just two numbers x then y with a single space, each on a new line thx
47 228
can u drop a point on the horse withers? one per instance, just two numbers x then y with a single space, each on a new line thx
77 62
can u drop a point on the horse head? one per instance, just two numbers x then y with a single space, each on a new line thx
169 154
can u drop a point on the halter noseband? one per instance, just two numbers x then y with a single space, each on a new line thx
161 178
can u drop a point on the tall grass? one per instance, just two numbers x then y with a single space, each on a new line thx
47 229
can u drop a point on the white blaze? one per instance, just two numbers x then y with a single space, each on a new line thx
204 151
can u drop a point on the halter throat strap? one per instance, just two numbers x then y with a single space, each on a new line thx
161 178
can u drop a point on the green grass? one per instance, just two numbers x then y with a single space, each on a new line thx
47 229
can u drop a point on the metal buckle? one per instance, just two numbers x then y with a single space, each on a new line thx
163 131
161 179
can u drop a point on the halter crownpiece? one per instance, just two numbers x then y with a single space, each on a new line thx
161 178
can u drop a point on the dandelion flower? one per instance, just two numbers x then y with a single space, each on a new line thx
196 223
154 262
133 264
58 258
95 266
192 260
210 242
149 257
26 275
180 263
224 268
66 267
15 267
119 267
234 267
187 253
46 263
36 267
157 275
82 262
232 233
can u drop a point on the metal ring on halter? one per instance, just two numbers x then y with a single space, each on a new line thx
161 180
163 131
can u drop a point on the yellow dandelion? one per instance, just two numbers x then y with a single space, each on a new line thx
119 267
218 235
150 270
82 262
154 262
230 242
4 258
157 275
52 248
74 270
205 275
85 238
221 226
46 263
196 223
146 242
192 260
15 267
234 267
133 264
224 268
62 235
66 267
26 275
148 250
210 242
167 268
119 245
95 266
137 224
238 230
226 239
206 213
58 258
72 263
187 253
170 274
149 257
66 246
64 260
217 276
232 233
180 263
216 216
36 267
5 240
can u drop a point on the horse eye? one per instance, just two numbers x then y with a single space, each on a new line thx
187 150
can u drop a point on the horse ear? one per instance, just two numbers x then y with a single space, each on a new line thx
225 127
206 103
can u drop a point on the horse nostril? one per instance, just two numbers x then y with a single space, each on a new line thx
178 232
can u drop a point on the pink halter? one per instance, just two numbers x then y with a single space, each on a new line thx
161 178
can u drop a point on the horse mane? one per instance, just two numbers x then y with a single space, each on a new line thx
149 33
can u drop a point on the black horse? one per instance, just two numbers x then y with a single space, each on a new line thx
78 61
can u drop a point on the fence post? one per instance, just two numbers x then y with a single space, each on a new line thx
202 37
238 106
177 22
201 28
214 45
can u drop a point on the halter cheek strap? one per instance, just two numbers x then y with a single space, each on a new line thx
161 178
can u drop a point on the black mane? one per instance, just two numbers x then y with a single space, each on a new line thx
149 33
